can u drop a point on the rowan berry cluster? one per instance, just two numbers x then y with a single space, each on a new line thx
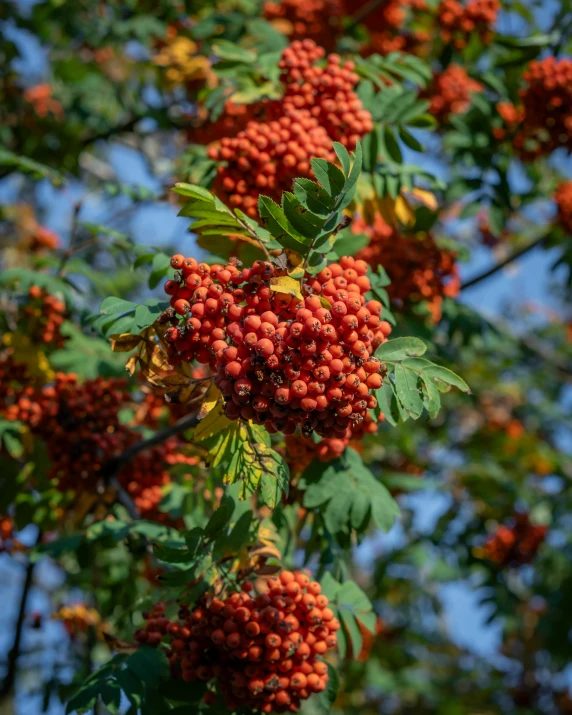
512 117
457 22
314 366
7 533
82 432
418 268
44 314
319 106
327 93
386 25
42 238
302 451
547 102
563 199
260 651
451 93
41 99
317 20
516 545
233 119
12 376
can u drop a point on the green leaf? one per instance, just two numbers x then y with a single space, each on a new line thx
408 391
400 349
436 372
280 227
330 694
313 197
343 156
150 665
220 518
329 176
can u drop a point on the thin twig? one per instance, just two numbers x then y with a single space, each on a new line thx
253 234
362 13
73 235
502 264
14 652
111 469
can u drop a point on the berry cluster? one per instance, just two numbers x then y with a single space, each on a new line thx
319 106
41 99
42 238
260 651
327 93
82 432
233 119
547 102
313 366
451 93
13 375
563 199
457 22
418 268
302 451
512 117
45 315
516 545
387 22
317 20
7 534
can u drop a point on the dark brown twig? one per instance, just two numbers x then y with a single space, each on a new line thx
502 264
14 652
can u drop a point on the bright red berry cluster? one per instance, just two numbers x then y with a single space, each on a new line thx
451 93
44 315
319 106
515 545
547 102
308 365
457 22
260 651
317 20
418 268
563 199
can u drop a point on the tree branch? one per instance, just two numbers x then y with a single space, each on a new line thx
14 652
111 469
362 13
502 264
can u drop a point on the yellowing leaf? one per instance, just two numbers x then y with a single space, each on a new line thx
212 396
125 342
386 207
216 421
286 284
425 197
404 212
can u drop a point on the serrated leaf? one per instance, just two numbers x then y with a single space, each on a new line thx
400 349
329 176
408 391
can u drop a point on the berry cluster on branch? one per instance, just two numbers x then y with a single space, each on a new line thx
317 20
44 314
81 429
451 92
259 650
418 268
515 545
319 106
547 102
458 22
